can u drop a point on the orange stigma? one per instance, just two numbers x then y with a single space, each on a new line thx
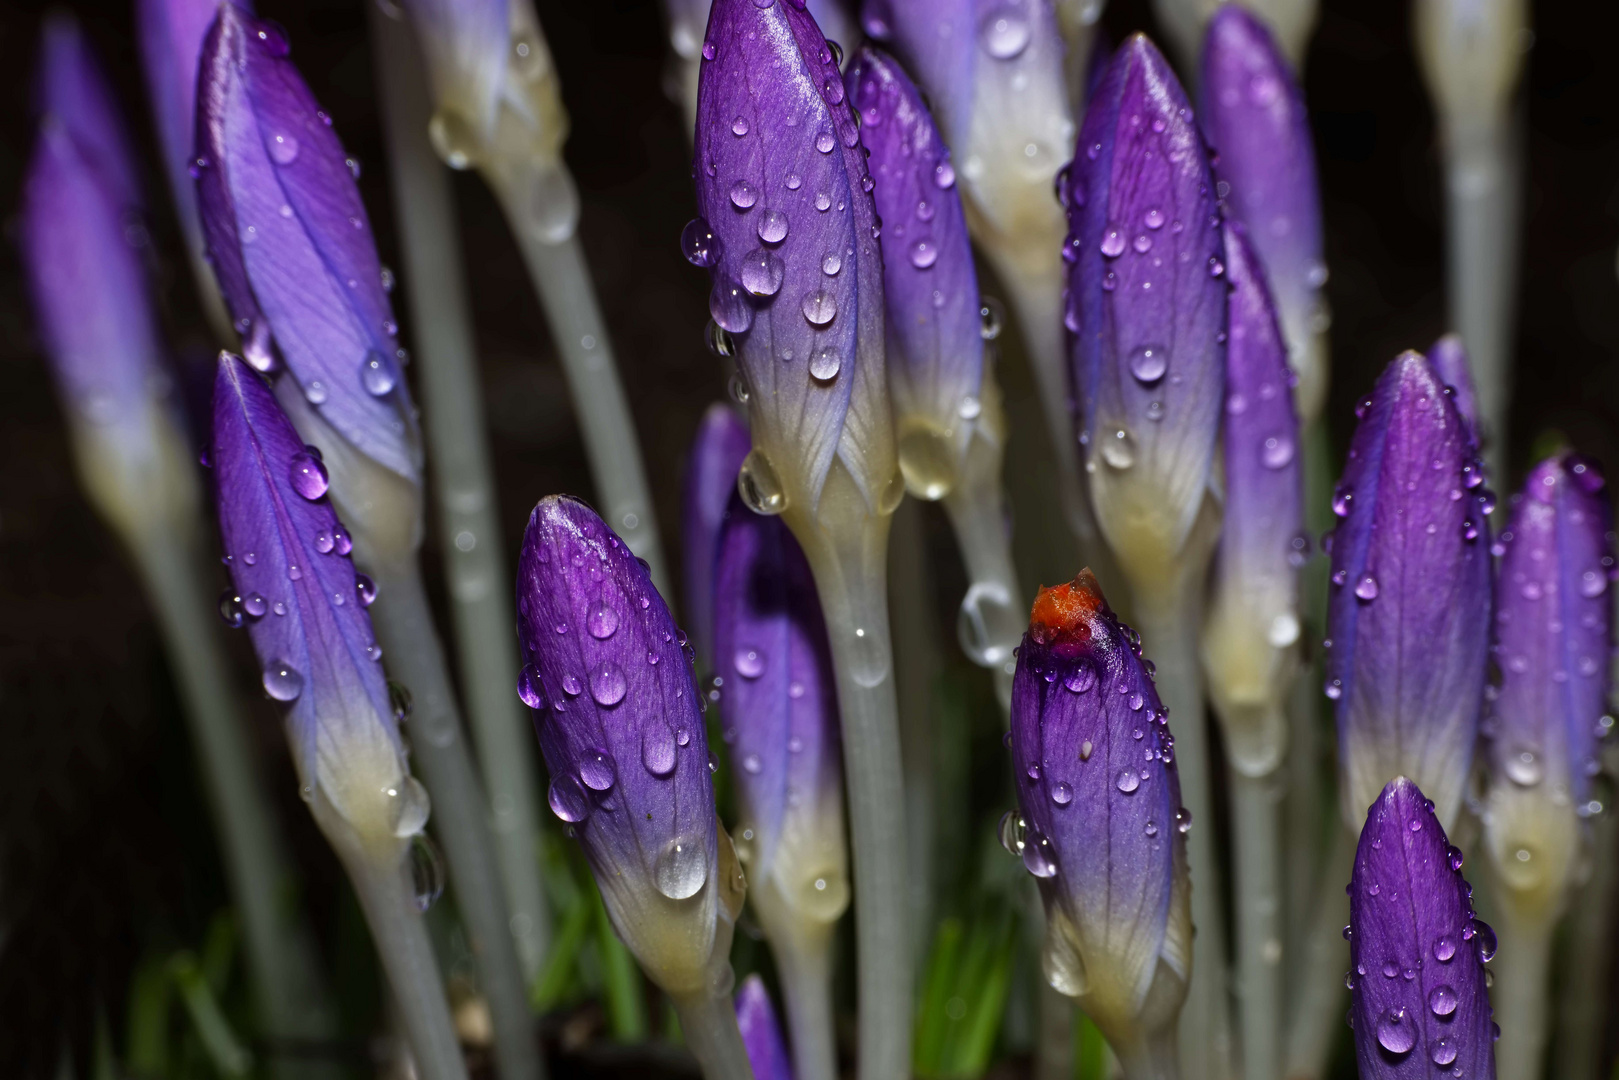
1064 612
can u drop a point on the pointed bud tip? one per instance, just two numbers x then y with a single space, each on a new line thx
1065 613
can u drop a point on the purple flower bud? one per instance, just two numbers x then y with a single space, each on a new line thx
935 340
304 608
619 721
290 242
716 454
1449 358
778 700
1416 951
1409 604
1553 643
790 234
1254 620
760 1033
688 19
1100 822
1254 114
73 94
1147 306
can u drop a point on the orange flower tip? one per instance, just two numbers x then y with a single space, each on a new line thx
1065 613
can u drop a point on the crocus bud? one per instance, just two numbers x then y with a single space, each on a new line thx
1416 950
1100 823
760 1033
1254 619
779 704
619 721
1253 113
304 608
1449 358
292 250
935 343
1553 641
716 456
77 235
1188 21
1409 605
1147 307
1472 54
790 234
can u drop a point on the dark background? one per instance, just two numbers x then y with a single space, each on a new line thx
104 845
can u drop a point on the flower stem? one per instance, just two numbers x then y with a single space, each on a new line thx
1054 1047
1318 989
1256 832
1582 1013
1521 991
1150 1058
562 278
708 1022
1169 621
847 547
382 882
804 964
481 604
404 626
917 662
993 614
294 1003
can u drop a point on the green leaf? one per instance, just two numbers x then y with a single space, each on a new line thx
148 1037
225 1051
1090 1060
626 1005
553 982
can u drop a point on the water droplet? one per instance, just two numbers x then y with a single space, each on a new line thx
1142 243
739 126
759 485
254 605
699 244
596 769
1004 33
1593 583
744 195
230 608
1454 858
729 307
530 688
283 149
1366 588
1119 449
1128 781
1154 219
820 307
1443 1051
824 142
607 683
750 663
658 748
366 590
568 799
454 139
1276 452
1523 766
1334 689
426 872
1148 363
991 318
378 374
1062 794
1395 1032
1081 679
1113 242
1484 939
762 272
282 681
1444 948
1183 821
345 543
1038 857
825 362
1011 832
309 477
923 254
927 459
1442 1000
681 868
773 226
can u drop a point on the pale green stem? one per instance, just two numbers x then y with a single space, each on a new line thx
916 667
708 1021
404 626
1481 186
382 882
292 999
850 575
804 965
1054 1049
1153 1057
993 614
1318 993
1522 991
1256 829
1582 1008
480 595
562 279
1169 626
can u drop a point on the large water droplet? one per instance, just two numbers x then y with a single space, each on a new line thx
750 663
1148 363
230 608
1038 856
596 769
1119 449
744 195
729 307
658 748
253 604
773 227
282 681
1396 1032
1062 794
411 807
607 683
568 799
681 868
529 687
1004 32
1443 1051
1011 832
1183 821
699 244
1276 451
762 272
1112 242
426 872
825 363
309 477
927 459
1081 679
1484 939
1442 1000
1523 766
602 621
283 148
366 589
378 374
759 485
820 307
454 139
1127 781
923 254
1366 587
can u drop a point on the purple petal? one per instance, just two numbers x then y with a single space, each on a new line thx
467 43
618 719
1409 604
1416 952
1449 358
1147 299
290 241
1256 119
87 280
760 1033
781 182
716 454
1553 631
778 702
300 600
935 343
1103 828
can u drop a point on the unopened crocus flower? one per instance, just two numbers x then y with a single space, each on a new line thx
1408 610
79 238
1147 309
1449 358
619 721
291 247
1254 619
757 1019
1100 823
779 707
1187 22
716 455
790 235
1420 999
1253 113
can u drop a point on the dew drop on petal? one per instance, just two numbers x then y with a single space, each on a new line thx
529 688
1037 855
1148 363
1062 794
596 770
658 748
1442 1000
366 589
282 681
607 683
378 374
744 195
1128 781
1395 1032
309 477
681 868
1443 1051
820 307
568 799
773 227
602 621
750 663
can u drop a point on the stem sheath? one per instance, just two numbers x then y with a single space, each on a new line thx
1582 1014
1151 1058
1256 833
804 964
1521 992
404 626
1319 991
709 1023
